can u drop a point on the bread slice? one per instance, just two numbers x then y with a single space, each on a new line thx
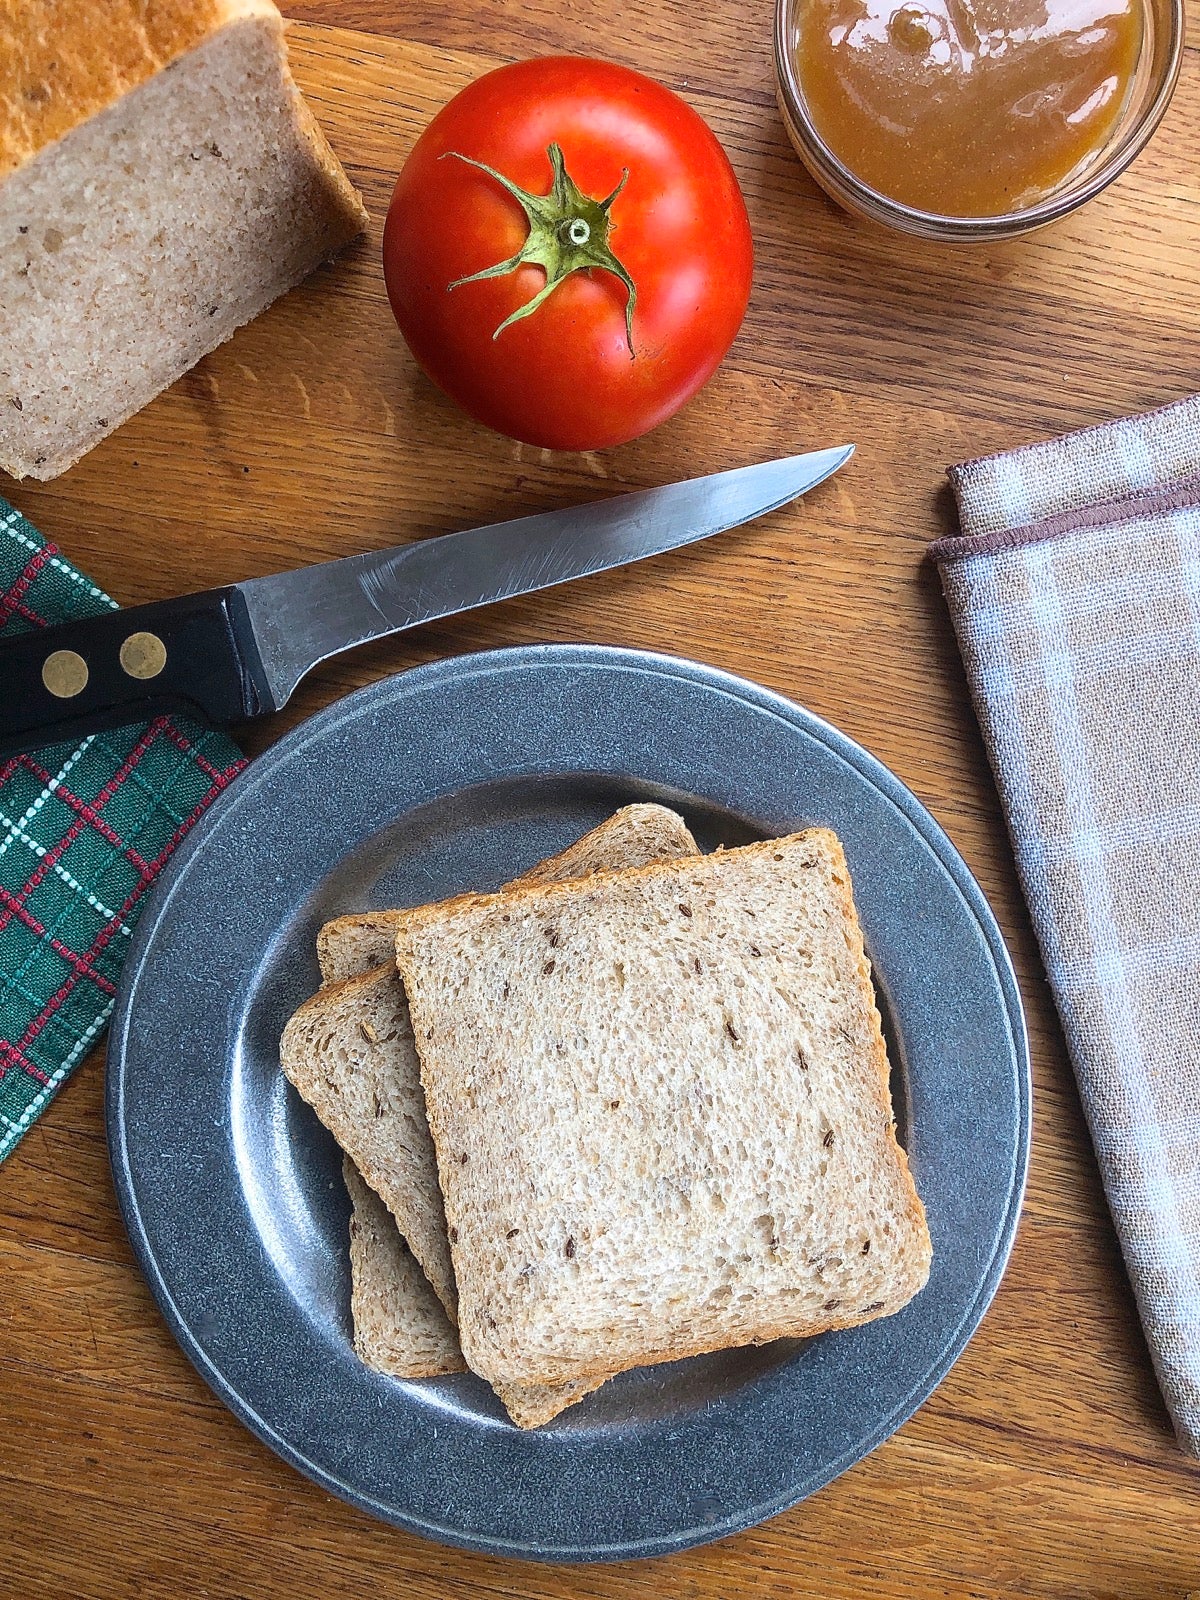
349 1052
660 1104
161 182
532 1404
400 1325
631 837
356 944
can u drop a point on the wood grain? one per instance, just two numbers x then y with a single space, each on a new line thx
1044 1465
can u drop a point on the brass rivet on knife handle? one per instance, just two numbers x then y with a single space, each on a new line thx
143 655
65 674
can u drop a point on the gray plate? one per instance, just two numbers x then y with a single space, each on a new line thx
457 776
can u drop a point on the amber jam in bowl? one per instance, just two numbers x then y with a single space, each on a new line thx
973 119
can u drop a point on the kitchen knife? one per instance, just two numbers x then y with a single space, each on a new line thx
235 653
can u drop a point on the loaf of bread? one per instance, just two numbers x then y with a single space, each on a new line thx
660 1105
161 182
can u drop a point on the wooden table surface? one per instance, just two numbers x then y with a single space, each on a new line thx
1044 1465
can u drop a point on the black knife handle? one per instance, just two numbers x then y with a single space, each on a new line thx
195 654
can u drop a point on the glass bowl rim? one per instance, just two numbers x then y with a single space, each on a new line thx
933 224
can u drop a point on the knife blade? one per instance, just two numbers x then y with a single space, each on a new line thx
235 653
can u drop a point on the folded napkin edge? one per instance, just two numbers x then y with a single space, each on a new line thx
1183 496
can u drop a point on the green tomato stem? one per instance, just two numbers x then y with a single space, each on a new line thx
568 232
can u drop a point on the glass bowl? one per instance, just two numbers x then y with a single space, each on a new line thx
1146 102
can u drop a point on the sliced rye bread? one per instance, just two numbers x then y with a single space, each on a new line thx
352 945
659 1099
349 1052
400 1325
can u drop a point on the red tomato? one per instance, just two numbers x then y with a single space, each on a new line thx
563 376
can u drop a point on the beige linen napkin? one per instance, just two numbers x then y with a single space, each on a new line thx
1075 594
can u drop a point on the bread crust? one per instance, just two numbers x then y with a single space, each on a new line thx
841 880
65 60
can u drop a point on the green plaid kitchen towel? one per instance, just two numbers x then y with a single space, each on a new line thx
85 827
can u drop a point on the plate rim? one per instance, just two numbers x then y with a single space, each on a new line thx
444 670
